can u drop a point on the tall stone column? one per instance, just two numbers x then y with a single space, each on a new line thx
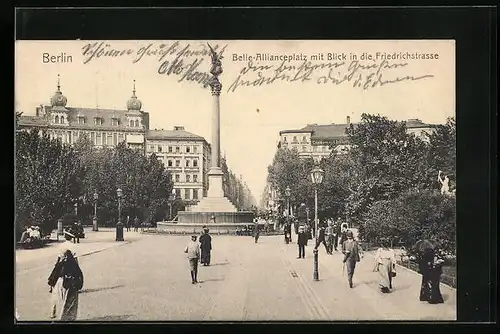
215 174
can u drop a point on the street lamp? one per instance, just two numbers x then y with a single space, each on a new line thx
317 178
288 192
94 225
119 225
76 209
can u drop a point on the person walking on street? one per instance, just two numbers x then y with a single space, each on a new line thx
336 231
193 253
385 265
321 238
302 242
65 280
288 233
256 231
136 224
329 238
206 247
430 266
350 249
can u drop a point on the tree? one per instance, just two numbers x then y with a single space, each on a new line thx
47 176
412 216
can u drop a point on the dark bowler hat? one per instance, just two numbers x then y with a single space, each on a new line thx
194 237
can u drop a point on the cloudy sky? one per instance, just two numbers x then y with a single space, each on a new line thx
260 96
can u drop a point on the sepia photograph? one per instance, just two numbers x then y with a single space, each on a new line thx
235 180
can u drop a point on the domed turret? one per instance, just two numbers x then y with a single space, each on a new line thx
134 103
58 99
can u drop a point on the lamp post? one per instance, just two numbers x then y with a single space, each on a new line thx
119 225
76 209
307 220
94 221
288 192
317 178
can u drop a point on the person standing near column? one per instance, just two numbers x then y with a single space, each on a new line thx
350 249
193 253
206 247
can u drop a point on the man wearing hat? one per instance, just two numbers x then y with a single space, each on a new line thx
350 249
302 242
193 253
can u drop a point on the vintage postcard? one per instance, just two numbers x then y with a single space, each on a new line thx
235 180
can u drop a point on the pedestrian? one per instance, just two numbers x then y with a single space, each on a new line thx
65 280
288 232
256 231
385 265
302 242
206 247
193 253
350 249
343 233
336 231
321 239
136 224
127 225
329 237
430 265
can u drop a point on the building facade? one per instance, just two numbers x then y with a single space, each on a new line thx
318 141
184 154
104 127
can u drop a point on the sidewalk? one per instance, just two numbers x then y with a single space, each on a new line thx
365 301
27 259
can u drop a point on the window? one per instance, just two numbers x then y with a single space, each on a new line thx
304 148
177 193
186 193
195 163
303 138
81 120
62 119
177 178
170 149
284 139
137 123
169 163
121 137
92 137
56 119
188 178
98 139
187 163
195 193
159 148
195 149
195 178
177 163
110 139
177 149
188 149
69 137
97 121
294 138
115 139
115 121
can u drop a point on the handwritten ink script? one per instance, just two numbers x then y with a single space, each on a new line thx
357 73
191 62
175 59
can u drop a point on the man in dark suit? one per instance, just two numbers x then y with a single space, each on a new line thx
350 249
321 238
302 242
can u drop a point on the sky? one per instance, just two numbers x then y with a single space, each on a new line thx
260 96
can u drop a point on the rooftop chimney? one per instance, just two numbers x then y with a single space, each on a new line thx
348 120
178 128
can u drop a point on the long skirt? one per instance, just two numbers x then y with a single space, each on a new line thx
64 302
205 257
435 292
384 271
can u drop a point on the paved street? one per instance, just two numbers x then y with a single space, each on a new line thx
148 279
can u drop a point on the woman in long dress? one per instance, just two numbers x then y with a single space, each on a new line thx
385 264
65 281
431 267
206 247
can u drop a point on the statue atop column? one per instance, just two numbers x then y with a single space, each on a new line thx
445 186
215 70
